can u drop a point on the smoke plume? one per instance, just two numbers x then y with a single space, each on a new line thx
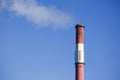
41 15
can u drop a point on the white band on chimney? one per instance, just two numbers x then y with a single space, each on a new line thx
79 53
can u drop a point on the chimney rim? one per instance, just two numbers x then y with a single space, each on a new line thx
79 25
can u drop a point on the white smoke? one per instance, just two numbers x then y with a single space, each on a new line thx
39 14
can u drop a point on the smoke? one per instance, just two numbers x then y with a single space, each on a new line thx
41 15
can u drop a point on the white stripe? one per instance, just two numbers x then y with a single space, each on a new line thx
79 53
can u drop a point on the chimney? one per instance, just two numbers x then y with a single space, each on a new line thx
79 54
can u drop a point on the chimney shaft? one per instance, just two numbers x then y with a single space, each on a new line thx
79 55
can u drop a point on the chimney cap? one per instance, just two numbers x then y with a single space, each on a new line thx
79 25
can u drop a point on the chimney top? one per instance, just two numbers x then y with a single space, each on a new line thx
79 25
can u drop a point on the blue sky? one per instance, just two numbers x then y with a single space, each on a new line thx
36 47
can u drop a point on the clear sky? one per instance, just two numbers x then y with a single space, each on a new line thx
37 39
